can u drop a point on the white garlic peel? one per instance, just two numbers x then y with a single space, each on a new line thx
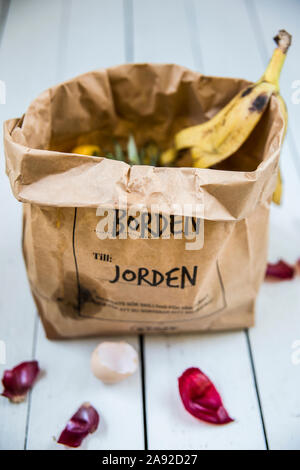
112 362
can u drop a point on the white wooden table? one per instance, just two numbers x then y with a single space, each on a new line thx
256 371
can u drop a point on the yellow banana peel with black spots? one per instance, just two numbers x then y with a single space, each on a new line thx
220 137
215 140
218 141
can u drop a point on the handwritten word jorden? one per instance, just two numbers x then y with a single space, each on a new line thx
176 277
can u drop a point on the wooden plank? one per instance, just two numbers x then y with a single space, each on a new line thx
69 381
278 327
267 18
224 357
283 228
228 45
161 32
274 341
270 336
225 48
95 37
25 71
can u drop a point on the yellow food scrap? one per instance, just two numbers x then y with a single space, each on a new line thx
91 150
167 157
278 190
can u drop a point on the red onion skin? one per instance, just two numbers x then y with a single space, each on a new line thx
85 421
19 380
200 397
280 270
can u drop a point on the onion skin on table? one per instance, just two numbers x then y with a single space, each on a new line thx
85 421
280 271
200 397
19 380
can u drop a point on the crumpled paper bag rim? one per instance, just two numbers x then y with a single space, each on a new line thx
254 186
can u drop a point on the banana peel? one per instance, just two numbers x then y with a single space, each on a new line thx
212 142
217 139
276 198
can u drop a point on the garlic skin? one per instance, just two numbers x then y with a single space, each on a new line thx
112 362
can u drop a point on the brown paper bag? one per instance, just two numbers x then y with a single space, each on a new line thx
84 285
